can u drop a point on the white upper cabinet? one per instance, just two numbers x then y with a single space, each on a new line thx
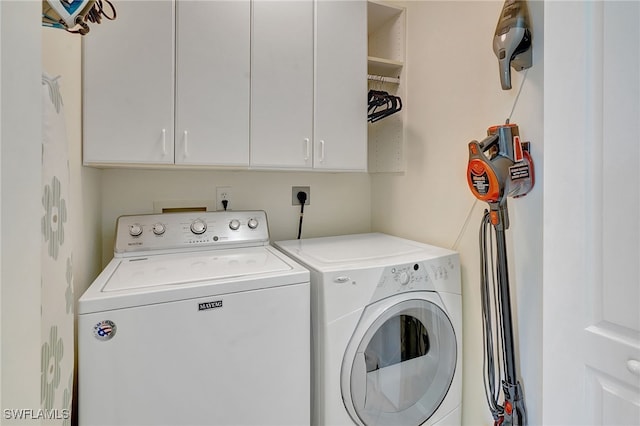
308 80
129 81
128 86
228 83
340 132
212 83
282 84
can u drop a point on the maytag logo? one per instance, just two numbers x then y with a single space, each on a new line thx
205 306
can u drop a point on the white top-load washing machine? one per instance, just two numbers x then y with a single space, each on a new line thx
387 330
197 320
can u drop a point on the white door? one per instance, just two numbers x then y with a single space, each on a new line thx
340 141
591 347
212 82
128 86
282 84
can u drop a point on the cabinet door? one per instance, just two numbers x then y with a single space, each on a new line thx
282 84
212 82
340 141
128 86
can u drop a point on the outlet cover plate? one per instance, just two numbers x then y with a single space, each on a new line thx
223 193
294 195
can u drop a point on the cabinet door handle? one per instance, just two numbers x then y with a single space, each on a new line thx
185 147
307 143
164 142
321 151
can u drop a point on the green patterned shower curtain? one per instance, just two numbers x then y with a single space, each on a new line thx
57 353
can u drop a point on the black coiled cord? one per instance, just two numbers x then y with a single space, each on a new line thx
97 12
491 315
94 15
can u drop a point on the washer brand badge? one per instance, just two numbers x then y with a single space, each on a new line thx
205 306
104 330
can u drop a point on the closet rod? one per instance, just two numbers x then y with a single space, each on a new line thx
383 79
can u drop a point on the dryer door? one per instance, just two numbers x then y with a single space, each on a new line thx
400 362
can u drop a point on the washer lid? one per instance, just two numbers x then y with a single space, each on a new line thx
173 269
141 281
330 252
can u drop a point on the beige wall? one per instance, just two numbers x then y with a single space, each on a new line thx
453 95
340 202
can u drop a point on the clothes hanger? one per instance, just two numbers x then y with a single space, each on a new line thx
382 104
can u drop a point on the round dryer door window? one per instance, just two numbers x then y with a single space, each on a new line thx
400 362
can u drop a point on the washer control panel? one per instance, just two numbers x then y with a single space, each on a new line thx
188 230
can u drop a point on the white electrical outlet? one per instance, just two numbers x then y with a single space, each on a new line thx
223 193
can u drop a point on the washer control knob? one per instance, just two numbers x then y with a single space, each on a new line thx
253 223
198 226
404 278
135 230
159 228
234 224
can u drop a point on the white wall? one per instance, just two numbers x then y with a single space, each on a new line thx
453 96
340 202
21 142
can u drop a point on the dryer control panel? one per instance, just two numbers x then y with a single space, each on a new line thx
186 231
441 274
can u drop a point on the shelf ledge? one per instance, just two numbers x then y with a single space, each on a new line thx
385 67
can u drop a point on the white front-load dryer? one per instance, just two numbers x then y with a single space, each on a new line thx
387 330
